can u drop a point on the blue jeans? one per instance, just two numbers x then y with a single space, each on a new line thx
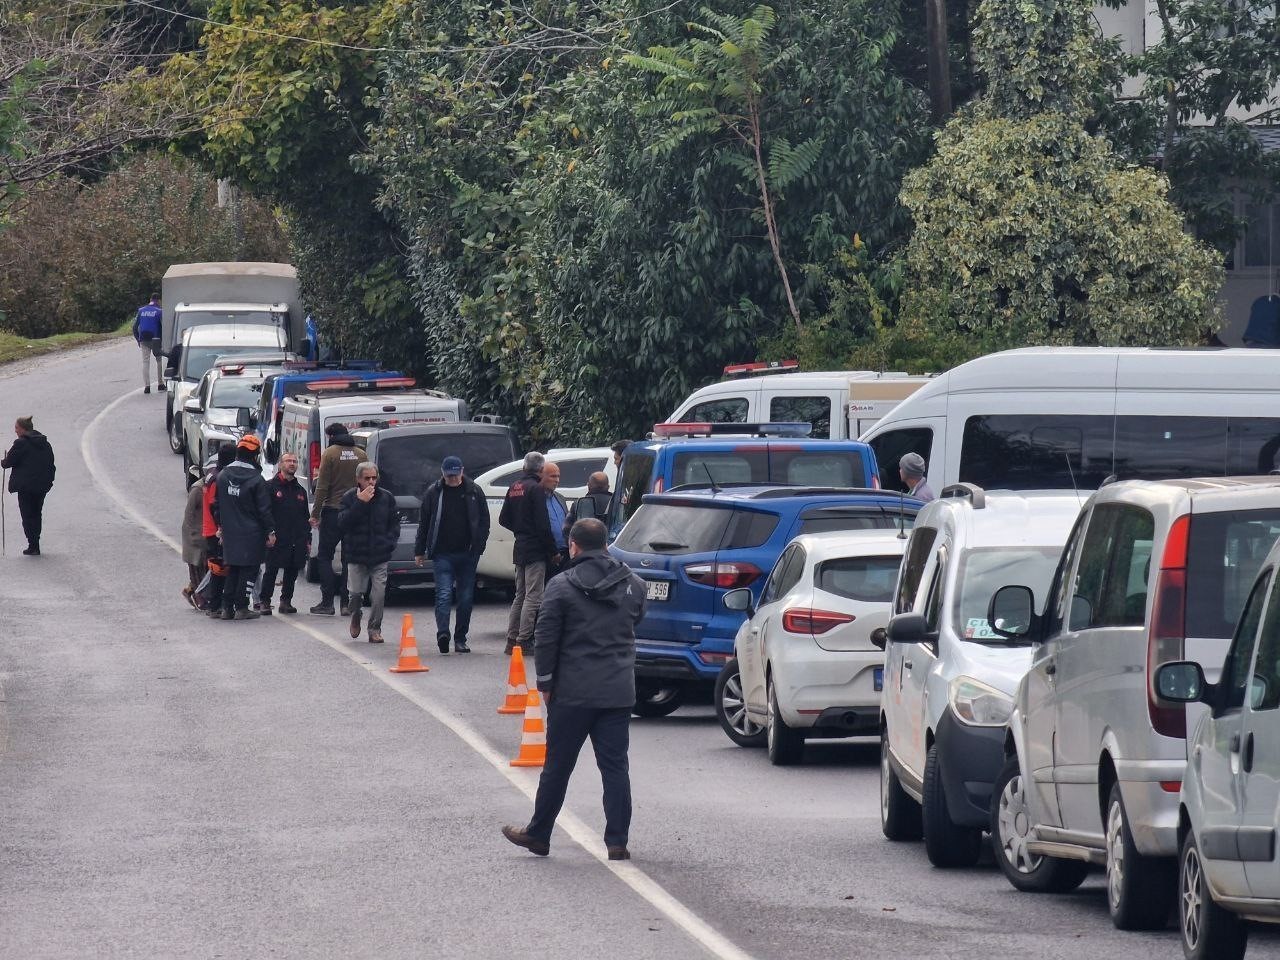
454 572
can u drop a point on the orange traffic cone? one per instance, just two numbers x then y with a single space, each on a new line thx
409 661
533 742
517 685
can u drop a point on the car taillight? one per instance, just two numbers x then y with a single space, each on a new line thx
725 575
315 457
804 620
1168 631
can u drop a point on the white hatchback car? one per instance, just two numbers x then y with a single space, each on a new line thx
809 660
576 464
949 678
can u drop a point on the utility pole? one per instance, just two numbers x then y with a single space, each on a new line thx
935 15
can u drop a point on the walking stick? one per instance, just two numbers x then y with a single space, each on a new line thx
3 487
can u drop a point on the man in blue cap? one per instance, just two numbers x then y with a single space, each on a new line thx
453 528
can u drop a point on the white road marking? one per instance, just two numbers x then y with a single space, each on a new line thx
714 942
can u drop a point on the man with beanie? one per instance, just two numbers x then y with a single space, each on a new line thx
31 461
585 657
243 511
911 469
453 527
336 476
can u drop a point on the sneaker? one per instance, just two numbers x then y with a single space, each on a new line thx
345 610
356 616
247 614
228 614
160 387
31 552
323 609
442 641
147 388
213 613
189 595
521 839
460 646
265 609
287 607
375 636
619 853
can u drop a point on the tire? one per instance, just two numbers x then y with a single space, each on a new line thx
655 701
176 440
946 843
1140 889
731 709
899 814
1010 824
1208 931
784 744
186 470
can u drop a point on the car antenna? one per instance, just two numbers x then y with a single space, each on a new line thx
707 470
902 515
1072 474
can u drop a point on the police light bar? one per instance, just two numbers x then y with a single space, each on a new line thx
372 365
780 429
352 385
231 368
762 366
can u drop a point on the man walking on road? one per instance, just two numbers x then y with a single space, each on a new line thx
336 476
370 526
585 660
293 534
31 461
524 513
243 511
147 327
453 528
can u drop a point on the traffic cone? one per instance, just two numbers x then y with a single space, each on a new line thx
517 685
533 741
409 661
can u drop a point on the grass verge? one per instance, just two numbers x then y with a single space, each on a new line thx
14 347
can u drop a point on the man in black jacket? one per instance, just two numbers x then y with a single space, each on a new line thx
31 460
524 513
242 509
585 659
370 526
292 516
453 527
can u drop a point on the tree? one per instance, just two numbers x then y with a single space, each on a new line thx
1031 230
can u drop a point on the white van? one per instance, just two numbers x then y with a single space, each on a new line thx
1058 418
839 404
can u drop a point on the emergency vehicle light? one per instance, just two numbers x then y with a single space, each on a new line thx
356 385
779 429
760 366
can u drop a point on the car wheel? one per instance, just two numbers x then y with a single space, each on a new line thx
731 709
946 843
1140 889
176 440
785 744
899 814
1010 833
186 469
1208 931
655 701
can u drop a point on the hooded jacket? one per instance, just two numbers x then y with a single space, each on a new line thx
243 511
337 473
370 531
585 642
31 461
429 518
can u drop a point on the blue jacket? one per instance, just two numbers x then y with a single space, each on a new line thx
147 324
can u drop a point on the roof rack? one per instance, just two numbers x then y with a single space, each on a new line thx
798 428
965 491
760 367
780 492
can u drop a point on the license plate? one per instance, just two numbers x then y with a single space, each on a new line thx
879 678
657 590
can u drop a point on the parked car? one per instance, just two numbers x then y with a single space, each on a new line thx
576 464
408 459
223 406
1152 572
736 454
692 546
949 678
352 376
809 661
1229 869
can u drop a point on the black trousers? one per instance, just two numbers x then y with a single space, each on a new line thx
275 564
567 730
330 537
30 506
217 584
236 591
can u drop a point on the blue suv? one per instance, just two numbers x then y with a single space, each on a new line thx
692 545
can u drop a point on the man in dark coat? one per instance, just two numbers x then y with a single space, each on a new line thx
243 512
31 461
524 513
453 527
585 659
370 526
292 517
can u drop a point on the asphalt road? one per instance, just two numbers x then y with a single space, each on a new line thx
172 786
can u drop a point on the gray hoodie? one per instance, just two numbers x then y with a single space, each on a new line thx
585 642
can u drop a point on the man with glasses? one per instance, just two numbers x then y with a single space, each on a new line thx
370 526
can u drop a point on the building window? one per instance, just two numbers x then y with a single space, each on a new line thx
1262 235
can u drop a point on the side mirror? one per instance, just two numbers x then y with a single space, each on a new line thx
1012 612
879 637
739 601
192 406
909 628
1181 681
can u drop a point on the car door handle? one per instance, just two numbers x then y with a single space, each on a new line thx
1050 668
1247 760
907 664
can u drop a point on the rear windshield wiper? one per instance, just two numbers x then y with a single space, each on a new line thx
666 545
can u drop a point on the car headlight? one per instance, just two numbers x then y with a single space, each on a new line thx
979 705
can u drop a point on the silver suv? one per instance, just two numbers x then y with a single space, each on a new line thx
1152 572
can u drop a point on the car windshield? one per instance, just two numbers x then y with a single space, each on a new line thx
234 391
407 465
196 361
777 465
984 571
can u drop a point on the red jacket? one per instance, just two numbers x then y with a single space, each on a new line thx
210 526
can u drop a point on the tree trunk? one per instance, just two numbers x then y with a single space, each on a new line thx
935 14
771 226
